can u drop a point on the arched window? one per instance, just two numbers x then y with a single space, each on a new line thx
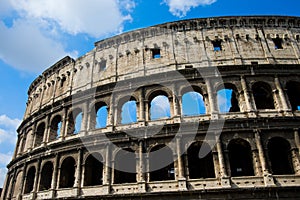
29 180
125 164
227 99
39 134
280 156
200 167
129 111
99 115
67 173
156 155
159 107
293 92
55 127
93 170
193 104
240 158
75 121
46 176
263 95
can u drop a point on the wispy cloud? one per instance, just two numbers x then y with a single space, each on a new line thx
8 128
180 8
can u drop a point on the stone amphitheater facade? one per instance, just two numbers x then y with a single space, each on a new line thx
255 144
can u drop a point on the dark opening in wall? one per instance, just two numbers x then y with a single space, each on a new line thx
125 159
62 81
155 53
29 180
240 158
39 134
263 95
93 170
293 92
277 42
165 173
67 173
280 156
99 115
55 127
200 167
74 122
217 44
102 65
46 176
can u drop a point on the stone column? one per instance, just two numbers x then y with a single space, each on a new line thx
281 94
295 160
268 179
55 179
65 125
211 97
141 117
256 164
225 182
46 137
181 179
37 178
248 100
107 170
141 170
85 116
24 175
78 172
296 137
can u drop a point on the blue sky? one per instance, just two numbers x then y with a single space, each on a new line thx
34 34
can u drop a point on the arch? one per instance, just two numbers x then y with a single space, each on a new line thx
29 180
39 134
200 167
159 106
46 176
93 170
126 159
67 173
17 185
99 115
74 121
240 158
227 98
193 104
263 95
293 91
280 156
165 173
129 112
55 127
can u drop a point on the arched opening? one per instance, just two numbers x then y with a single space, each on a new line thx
126 161
200 167
39 134
55 128
67 173
29 180
158 153
193 104
93 170
240 158
46 176
293 92
74 121
17 186
227 99
263 96
99 115
280 156
128 114
159 107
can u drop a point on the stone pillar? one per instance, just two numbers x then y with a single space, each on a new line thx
268 179
141 170
211 97
295 160
147 110
282 97
225 181
78 172
6 186
110 117
256 164
34 135
181 179
65 125
55 179
46 137
296 137
268 55
107 170
24 175
85 116
248 100
141 116
37 178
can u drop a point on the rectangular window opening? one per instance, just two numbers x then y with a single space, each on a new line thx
217 45
102 65
278 43
156 53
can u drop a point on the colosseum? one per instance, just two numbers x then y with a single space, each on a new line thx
204 108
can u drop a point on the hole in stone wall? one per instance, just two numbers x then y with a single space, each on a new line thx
227 99
101 115
155 53
293 92
67 173
263 95
129 112
55 127
93 170
74 121
193 104
200 167
277 42
159 107
39 134
46 176
127 159
240 158
102 65
29 180
217 44
280 156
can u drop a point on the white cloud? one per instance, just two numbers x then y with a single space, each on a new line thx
160 107
180 8
3 172
94 17
8 132
5 158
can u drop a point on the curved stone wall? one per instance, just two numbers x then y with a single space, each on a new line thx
255 58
